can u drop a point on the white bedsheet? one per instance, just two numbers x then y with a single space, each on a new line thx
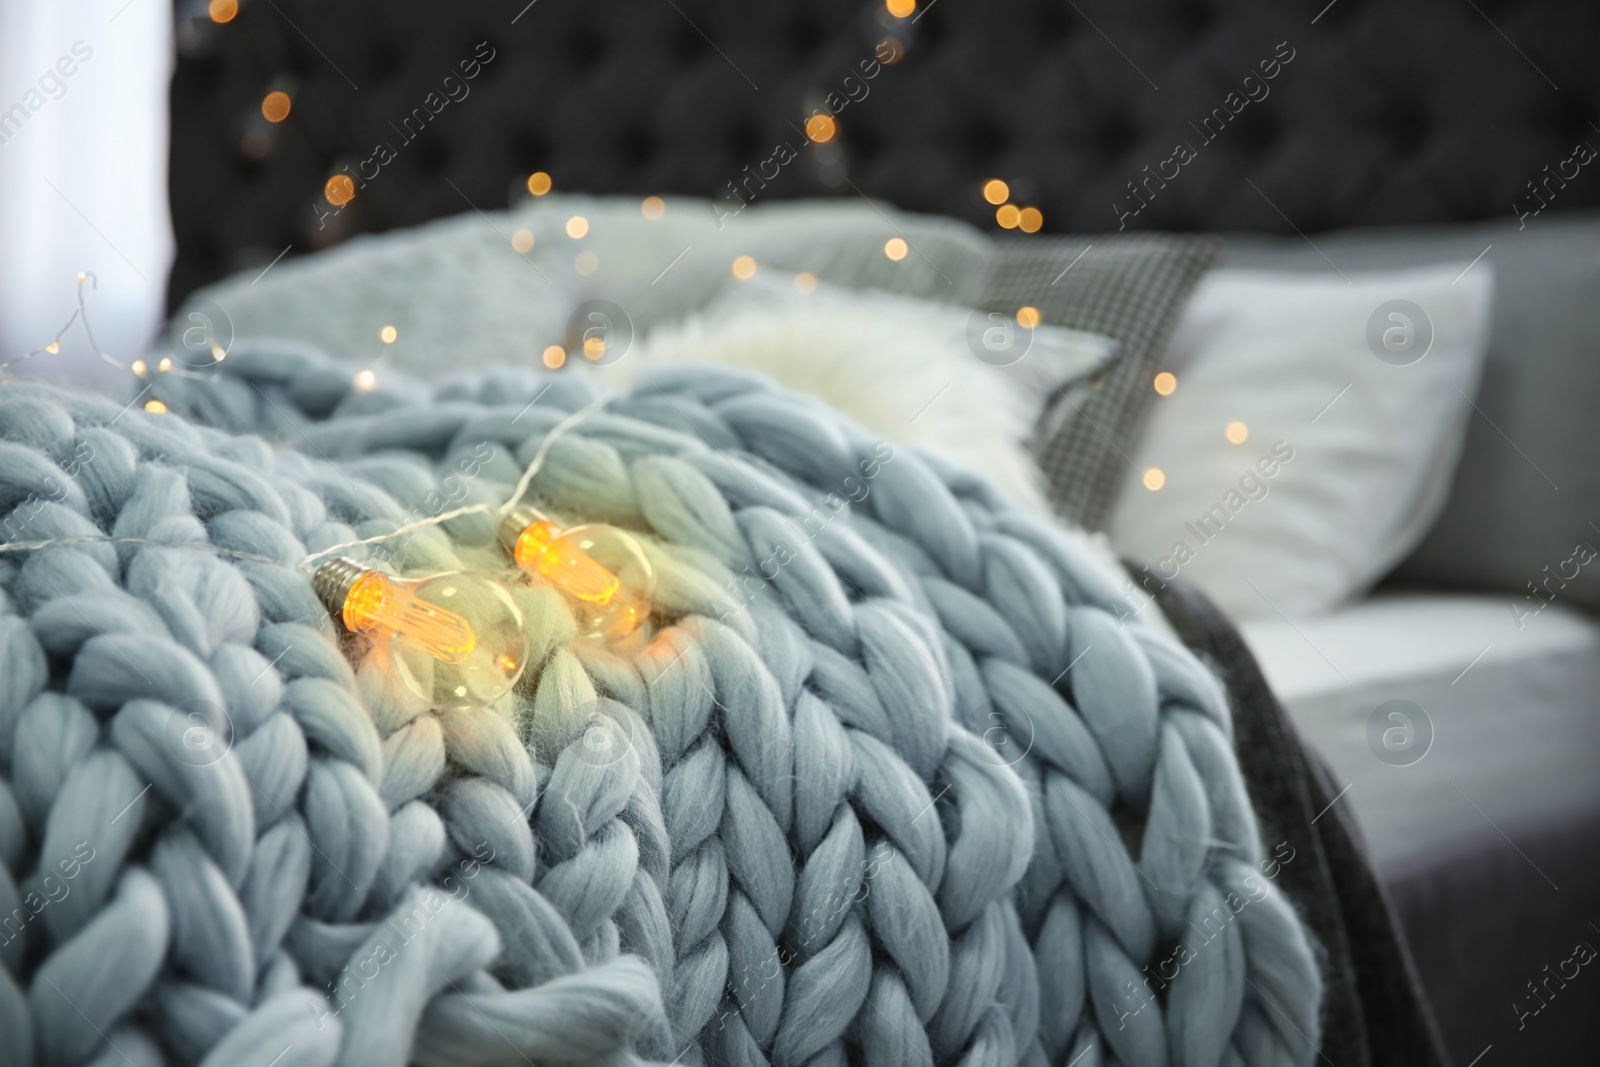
1515 713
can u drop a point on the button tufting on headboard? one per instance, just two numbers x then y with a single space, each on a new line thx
1375 112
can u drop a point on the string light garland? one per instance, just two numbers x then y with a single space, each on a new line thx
456 637
88 284
79 314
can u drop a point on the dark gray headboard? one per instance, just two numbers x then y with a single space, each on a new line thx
1102 113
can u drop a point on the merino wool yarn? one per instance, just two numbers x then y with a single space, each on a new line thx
895 778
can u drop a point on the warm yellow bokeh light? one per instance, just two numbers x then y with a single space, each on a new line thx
1029 219
805 283
522 241
996 191
222 10
53 347
1154 479
593 348
140 367
538 183
1166 383
653 208
366 380
896 248
165 364
586 263
1237 432
339 190
554 357
821 128
901 9
155 407
1028 317
577 226
1007 216
388 335
744 268
275 106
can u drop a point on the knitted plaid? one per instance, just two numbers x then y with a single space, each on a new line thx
895 779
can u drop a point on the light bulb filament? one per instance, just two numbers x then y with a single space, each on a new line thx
539 549
375 603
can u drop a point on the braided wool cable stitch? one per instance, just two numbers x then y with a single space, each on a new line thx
889 784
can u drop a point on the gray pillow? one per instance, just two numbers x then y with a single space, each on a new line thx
1523 513
1131 287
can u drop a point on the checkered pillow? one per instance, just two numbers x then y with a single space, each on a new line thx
1129 287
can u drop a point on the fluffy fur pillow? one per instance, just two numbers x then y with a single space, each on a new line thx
903 368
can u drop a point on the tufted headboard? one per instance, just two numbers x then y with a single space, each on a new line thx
1247 115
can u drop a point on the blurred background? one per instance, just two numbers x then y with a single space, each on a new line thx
1378 114
83 173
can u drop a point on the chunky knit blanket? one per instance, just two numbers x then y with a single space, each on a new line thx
896 778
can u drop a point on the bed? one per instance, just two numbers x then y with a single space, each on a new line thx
1370 124
1458 665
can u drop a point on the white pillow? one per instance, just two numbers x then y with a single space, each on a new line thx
1348 456
903 368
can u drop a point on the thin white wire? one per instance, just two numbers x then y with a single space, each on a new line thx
529 473
107 539
410 527
550 439
81 314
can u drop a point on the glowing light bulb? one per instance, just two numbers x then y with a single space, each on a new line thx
600 567
468 630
